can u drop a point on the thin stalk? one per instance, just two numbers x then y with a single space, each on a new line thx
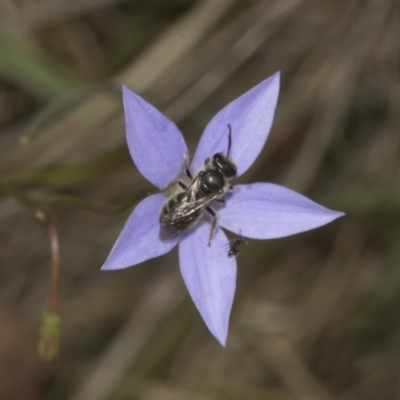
50 328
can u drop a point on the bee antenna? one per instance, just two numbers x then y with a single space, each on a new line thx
229 138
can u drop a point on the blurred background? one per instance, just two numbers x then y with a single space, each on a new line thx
316 315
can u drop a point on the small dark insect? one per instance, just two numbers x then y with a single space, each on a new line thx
234 246
184 209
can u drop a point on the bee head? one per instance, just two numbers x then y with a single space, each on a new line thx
224 165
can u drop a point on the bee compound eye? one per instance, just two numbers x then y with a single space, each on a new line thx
225 165
218 160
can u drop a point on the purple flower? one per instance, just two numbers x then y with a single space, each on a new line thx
257 211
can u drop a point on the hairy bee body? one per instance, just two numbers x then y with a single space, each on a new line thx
183 210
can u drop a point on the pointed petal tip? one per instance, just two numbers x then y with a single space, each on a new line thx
337 214
270 211
113 265
222 340
155 143
271 85
109 267
210 277
128 96
275 81
219 333
125 89
251 116
276 76
105 268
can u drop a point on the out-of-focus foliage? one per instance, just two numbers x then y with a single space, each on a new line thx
316 315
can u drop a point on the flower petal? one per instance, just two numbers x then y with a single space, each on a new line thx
210 277
267 211
251 117
139 239
155 143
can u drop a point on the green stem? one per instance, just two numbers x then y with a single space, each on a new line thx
50 328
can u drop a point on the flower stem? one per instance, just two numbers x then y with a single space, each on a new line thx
50 327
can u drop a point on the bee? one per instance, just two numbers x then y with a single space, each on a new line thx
185 209
234 246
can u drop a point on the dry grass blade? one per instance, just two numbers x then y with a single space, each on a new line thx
198 61
161 298
237 55
60 140
331 111
181 37
291 369
310 317
40 13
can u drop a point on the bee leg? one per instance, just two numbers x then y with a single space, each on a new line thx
186 165
182 185
213 224
206 161
213 228
221 200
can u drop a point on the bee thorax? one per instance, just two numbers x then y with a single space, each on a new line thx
213 181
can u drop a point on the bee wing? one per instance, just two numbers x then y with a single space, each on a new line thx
192 192
185 212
